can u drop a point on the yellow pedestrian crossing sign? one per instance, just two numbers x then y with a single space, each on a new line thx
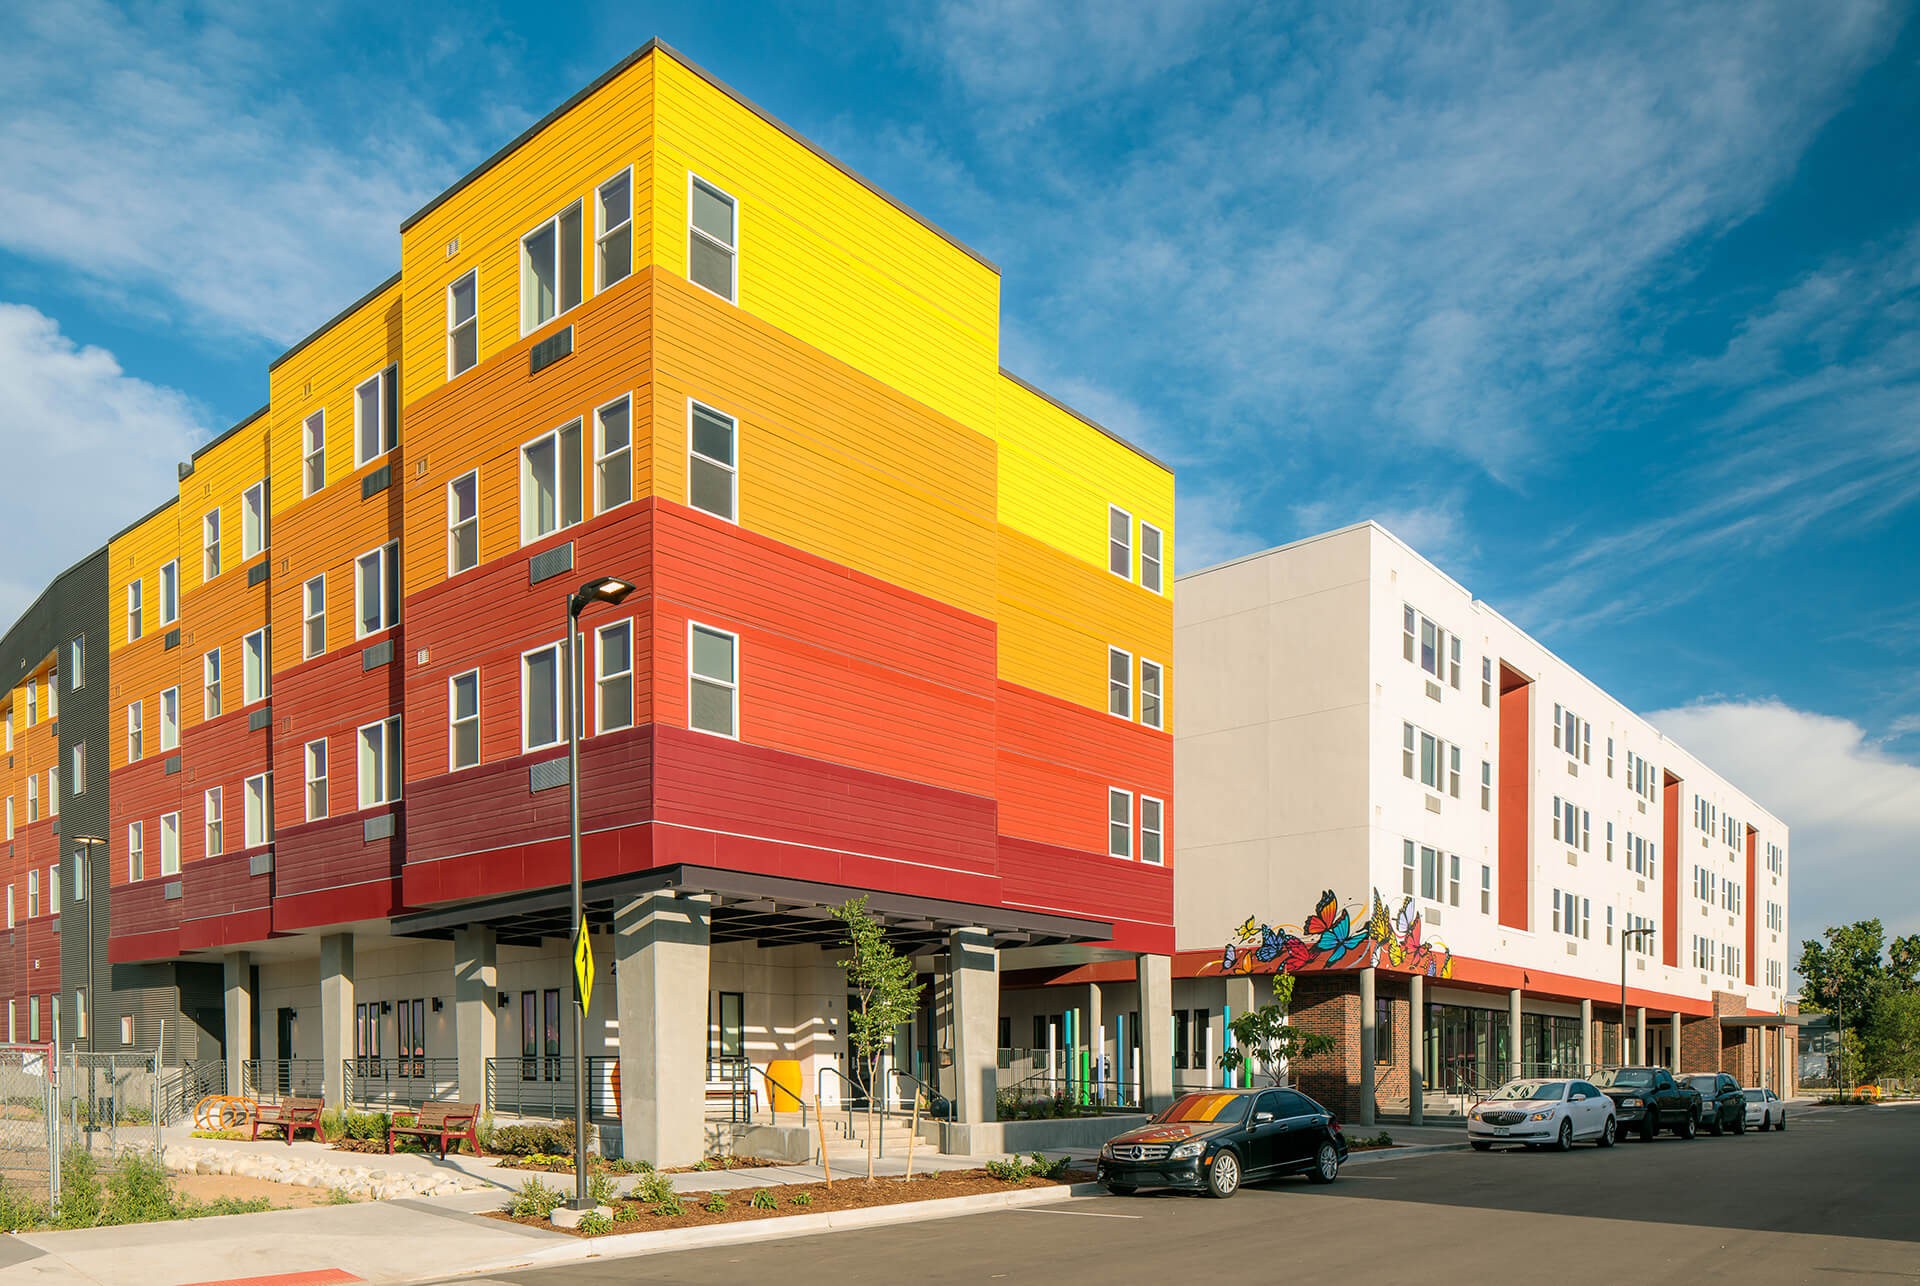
583 967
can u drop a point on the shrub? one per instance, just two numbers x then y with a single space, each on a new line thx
367 1125
18 1211
593 1223
714 1203
79 1189
139 1191
192 1209
800 1199
1042 1168
523 1140
704 1163
483 1131
600 1189
535 1199
654 1189
341 1197
669 1206
621 1165
762 1200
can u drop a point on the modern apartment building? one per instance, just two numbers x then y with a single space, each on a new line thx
1452 839
900 626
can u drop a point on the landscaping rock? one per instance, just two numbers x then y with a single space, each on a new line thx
366 1184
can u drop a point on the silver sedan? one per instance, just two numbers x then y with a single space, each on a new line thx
1543 1112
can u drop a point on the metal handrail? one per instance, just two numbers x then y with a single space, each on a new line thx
772 1114
846 1103
933 1096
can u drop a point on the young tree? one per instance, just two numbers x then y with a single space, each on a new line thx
1265 1035
883 983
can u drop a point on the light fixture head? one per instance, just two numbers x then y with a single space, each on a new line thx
601 589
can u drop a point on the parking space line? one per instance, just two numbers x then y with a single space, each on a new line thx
1080 1214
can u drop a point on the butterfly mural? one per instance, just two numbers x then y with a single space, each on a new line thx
1333 938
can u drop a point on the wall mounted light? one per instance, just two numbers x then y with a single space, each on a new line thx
436 1004
386 1006
502 999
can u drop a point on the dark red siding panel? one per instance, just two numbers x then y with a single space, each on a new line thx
328 872
145 923
1136 898
222 905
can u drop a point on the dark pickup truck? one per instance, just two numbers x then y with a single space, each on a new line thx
1648 1099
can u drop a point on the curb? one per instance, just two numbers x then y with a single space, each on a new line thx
632 1244
1374 1156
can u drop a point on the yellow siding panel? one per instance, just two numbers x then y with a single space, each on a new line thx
321 378
139 555
1059 616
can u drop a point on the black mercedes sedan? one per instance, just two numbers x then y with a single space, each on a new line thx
1216 1140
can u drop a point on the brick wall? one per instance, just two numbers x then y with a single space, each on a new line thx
1699 1045
1330 1006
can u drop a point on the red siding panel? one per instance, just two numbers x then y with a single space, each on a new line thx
1137 899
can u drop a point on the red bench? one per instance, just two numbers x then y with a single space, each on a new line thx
289 1116
443 1123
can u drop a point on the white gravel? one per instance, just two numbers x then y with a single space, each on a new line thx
369 1184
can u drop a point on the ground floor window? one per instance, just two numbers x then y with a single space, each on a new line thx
412 1042
727 1037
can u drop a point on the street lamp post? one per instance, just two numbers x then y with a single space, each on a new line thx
609 591
1624 935
86 876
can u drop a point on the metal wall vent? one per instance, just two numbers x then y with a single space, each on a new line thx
173 639
374 828
258 573
547 775
550 563
379 654
173 764
550 350
260 863
376 482
261 718
171 892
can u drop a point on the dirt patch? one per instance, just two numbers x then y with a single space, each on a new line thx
284 1196
846 1194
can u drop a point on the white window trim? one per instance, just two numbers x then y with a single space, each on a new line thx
559 649
136 609
308 616
266 816
1161 831
1112 652
1112 793
453 722
307 779
265 635
527 535
733 470
1140 557
207 713
136 722
693 625
136 845
170 862
454 522
1131 552
166 744
1160 726
734 249
174 566
453 328
601 233
309 448
527 324
76 663
213 800
266 535
388 434
599 679
211 564
599 452
359 735
389 566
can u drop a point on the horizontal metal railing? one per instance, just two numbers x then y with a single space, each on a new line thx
382 1084
543 1087
268 1080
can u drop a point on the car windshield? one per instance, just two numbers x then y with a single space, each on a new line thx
1552 1090
1755 1096
1625 1077
1705 1084
1205 1109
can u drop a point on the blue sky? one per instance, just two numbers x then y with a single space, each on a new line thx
1612 311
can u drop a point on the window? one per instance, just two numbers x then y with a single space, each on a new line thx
136 851
613 230
463 324
550 269
1609 926
313 617
1119 823
713 692
376 416
10 919
613 676
712 471
7 723
1486 890
463 523
53 793
253 520
613 455
1426 643
313 452
255 668
135 623
1453 879
1429 874
53 890
1152 830
1609 756
1382 1038
376 590
77 770
210 546
1150 704
9 816
1586 831
256 801
463 720
33 702
1609 841
1486 681
170 593
1453 678
1453 771
170 719
712 245
550 483
33 894
1486 785
540 698
1119 683
380 762
1406 867
316 758
170 844
1120 542
77 662
1433 761
33 797
33 1018
210 684
1150 557
215 824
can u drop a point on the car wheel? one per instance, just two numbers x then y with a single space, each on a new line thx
1783 1122
1740 1123
1326 1165
1607 1134
1223 1176
1122 1189
1565 1142
1647 1127
1716 1127
1766 1122
1688 1127
1479 1145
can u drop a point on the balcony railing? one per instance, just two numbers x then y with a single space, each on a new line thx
268 1080
543 1087
383 1084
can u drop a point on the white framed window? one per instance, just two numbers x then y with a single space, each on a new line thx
1152 679
33 1018
550 269
1486 785
463 323
1119 683
316 778
313 452
256 802
253 520
1152 831
53 890
7 723
1609 841
136 621
313 617
136 852
136 731
463 720
210 685
713 242
1408 867
33 797
1429 645
1453 771
33 702
1429 873
613 676
550 483
210 545
1120 542
256 667
1486 681
1119 823
170 844
126 1029
53 694
170 593
77 769
76 662
376 416
53 792
1151 557
463 523
713 680
541 684
33 894
613 455
613 230
216 823
379 777
1453 879
376 590
170 719
713 482
1486 890
9 816
10 924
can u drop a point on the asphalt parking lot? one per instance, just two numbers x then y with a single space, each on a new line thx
1837 1197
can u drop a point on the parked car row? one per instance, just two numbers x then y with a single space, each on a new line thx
1219 1139
1557 1112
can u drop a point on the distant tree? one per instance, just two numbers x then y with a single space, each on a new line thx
1842 975
1903 955
882 982
1265 1036
1890 1042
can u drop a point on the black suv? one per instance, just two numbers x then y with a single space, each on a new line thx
1218 1139
1646 1099
1723 1102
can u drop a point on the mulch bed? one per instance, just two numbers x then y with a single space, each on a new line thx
848 1193
598 1165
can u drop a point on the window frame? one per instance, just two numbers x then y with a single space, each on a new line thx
309 780
309 617
1117 793
248 811
212 680
731 470
76 663
170 742
1127 714
455 720
210 536
528 536
455 523
136 731
136 609
313 453
601 231
601 677
601 456
455 325
693 677
262 539
1123 547
77 769
263 679
388 561
1158 561
170 843
214 805
528 322
527 745
1159 832
390 750
170 592
733 251
387 426
1159 721
136 851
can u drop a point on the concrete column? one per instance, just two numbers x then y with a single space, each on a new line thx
1155 974
975 967
475 1025
336 1016
1586 1036
660 950
1674 1028
238 968
1640 1034
1513 1033
1096 1037
1369 1043
1789 1066
1417 1050
1239 1001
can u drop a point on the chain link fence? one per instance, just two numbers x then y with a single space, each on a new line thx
108 1103
28 1123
